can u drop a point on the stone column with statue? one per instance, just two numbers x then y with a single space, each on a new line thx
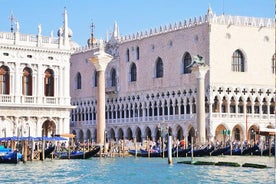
199 68
100 60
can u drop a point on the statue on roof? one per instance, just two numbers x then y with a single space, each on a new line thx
17 26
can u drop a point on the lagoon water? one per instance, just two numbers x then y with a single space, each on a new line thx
138 170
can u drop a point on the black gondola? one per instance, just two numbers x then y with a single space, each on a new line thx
250 150
79 154
206 151
219 151
145 153
47 152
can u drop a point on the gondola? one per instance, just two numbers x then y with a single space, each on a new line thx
181 152
235 151
250 150
47 152
219 151
206 151
78 154
146 153
265 152
8 156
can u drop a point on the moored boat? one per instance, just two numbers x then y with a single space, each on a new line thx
219 151
47 152
78 154
8 156
250 150
146 153
205 151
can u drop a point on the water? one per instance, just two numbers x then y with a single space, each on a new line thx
137 170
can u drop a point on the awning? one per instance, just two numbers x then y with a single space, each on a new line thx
267 131
66 135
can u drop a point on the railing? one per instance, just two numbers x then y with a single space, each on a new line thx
28 39
21 100
239 117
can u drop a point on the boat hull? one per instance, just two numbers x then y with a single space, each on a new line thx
79 154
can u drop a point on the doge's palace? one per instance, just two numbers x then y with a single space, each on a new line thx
34 82
149 86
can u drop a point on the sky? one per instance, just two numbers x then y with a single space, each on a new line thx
132 16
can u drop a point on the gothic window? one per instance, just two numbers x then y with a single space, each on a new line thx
49 83
27 82
159 68
78 81
188 106
206 105
240 105
272 106
224 105
237 61
237 134
187 60
232 105
127 55
182 107
248 106
274 64
215 106
264 106
4 80
133 72
194 106
113 77
95 78
137 53
256 106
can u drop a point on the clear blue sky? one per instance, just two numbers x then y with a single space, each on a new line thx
131 15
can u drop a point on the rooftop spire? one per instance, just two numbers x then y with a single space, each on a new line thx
115 34
65 28
92 27
12 20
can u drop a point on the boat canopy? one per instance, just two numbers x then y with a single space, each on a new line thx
267 131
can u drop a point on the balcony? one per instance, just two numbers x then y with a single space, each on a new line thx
7 100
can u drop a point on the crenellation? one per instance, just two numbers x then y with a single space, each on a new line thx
211 18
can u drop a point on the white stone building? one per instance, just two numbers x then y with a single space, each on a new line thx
34 82
149 87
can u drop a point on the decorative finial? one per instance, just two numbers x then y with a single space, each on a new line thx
39 29
12 20
17 26
92 27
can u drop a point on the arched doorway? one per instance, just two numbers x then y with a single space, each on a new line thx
252 134
129 134
237 134
81 136
179 133
88 135
191 135
112 134
148 133
138 134
120 134
48 128
220 135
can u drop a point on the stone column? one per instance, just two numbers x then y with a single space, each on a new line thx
200 69
100 60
